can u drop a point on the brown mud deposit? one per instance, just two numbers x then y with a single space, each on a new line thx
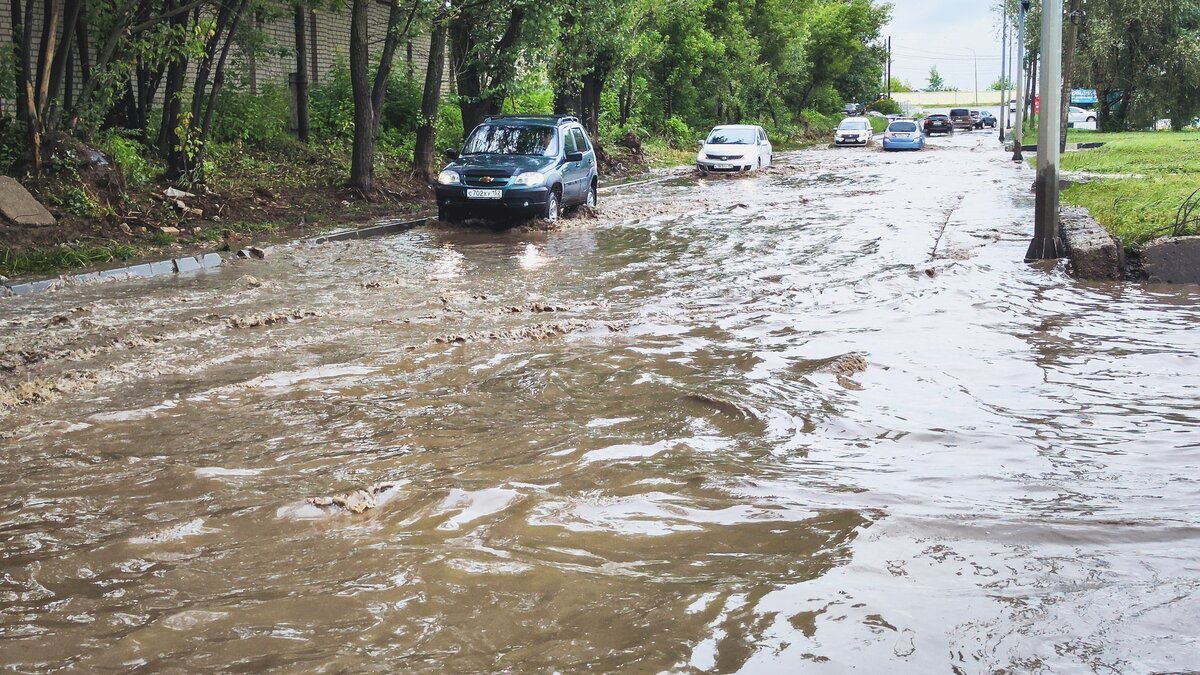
820 418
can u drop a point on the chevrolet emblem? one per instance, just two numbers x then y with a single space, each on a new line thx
485 179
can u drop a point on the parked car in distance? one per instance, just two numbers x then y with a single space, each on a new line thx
1012 105
989 120
961 119
903 135
978 117
938 124
519 164
851 109
1076 115
734 147
853 131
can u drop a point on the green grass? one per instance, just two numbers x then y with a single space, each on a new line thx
51 260
878 124
1135 209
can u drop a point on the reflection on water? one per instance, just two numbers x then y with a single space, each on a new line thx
731 425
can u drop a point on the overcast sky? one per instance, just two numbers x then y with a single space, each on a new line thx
942 33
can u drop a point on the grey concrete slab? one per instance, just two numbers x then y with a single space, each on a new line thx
18 206
1095 254
188 264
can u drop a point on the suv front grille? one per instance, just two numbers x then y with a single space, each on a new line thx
722 158
486 178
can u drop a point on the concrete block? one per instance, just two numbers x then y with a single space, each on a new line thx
188 264
19 207
1172 260
1095 254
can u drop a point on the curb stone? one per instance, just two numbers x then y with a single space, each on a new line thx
1095 254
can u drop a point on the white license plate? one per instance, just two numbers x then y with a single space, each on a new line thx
484 194
722 165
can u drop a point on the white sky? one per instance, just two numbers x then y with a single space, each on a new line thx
942 33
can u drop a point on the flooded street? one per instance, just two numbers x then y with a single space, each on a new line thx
813 420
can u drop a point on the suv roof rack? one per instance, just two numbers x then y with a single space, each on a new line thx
558 119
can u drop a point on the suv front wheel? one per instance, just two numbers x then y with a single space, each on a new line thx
553 207
591 199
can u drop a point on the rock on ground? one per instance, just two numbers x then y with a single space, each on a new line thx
19 207
1172 260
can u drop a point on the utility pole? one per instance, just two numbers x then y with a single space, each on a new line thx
976 57
1045 244
1003 70
889 67
1019 122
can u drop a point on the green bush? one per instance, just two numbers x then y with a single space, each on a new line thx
130 156
677 133
449 125
331 105
256 118
12 142
887 106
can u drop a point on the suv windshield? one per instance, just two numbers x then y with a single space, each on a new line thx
503 139
733 137
853 124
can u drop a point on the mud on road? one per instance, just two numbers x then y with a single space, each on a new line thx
819 418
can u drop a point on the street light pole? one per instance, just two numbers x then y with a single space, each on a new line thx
1019 123
1046 244
1003 72
976 57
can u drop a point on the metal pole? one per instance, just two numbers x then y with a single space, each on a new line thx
1003 70
1019 122
976 57
889 67
1045 244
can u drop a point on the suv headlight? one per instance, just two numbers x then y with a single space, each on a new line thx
449 177
530 179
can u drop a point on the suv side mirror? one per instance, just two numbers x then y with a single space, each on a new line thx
450 153
573 157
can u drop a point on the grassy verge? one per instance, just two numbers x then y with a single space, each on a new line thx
52 259
1136 209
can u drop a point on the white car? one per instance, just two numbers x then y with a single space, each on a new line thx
853 131
1080 115
734 147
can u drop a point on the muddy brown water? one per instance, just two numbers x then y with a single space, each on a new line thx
816 420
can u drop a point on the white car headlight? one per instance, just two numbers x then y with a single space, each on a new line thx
530 179
449 177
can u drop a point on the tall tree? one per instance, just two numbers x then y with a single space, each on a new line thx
370 92
424 153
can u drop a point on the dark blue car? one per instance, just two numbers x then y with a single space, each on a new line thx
532 165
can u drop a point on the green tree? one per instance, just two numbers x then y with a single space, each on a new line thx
898 86
936 83
1001 84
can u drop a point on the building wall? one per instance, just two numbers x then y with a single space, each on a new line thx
327 37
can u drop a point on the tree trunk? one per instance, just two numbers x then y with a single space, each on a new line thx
362 159
62 60
1068 71
20 46
424 154
301 75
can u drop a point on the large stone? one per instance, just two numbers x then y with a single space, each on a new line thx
1172 260
1095 254
19 207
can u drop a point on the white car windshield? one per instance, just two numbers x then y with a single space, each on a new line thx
853 125
732 137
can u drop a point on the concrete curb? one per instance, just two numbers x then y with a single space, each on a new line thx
196 263
1095 254
381 229
1071 147
199 262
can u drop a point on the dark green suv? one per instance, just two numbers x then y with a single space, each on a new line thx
533 165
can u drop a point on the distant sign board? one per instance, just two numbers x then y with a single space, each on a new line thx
1084 97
